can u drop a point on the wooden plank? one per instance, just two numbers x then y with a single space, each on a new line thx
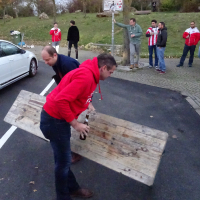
125 147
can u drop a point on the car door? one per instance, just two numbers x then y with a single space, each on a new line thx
5 67
19 61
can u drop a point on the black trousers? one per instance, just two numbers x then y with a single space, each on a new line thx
185 52
75 46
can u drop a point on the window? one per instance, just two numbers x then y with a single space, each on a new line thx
7 49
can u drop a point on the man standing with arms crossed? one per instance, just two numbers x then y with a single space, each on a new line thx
152 34
135 33
191 36
161 45
61 110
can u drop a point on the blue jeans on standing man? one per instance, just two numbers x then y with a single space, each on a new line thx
151 49
161 57
59 133
185 52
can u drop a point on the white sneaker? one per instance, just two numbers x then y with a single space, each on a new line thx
156 67
150 66
77 59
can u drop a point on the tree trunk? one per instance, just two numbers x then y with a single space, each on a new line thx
4 12
84 8
126 48
54 11
141 5
158 5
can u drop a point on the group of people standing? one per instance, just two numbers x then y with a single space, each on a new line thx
72 37
157 40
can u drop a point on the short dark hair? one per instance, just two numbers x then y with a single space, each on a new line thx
50 50
163 23
154 21
72 22
133 19
192 21
55 23
106 59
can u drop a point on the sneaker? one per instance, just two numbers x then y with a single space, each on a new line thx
162 72
131 67
158 70
82 193
136 66
156 67
179 65
189 65
150 66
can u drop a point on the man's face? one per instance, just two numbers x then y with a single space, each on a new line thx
56 26
132 23
48 59
160 26
105 73
153 24
71 24
192 24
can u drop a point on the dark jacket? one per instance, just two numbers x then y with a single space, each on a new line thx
73 34
64 65
162 37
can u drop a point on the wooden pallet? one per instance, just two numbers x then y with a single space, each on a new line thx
125 147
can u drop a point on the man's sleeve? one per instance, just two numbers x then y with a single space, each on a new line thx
185 34
78 34
139 33
51 32
164 38
60 35
121 25
70 93
148 33
68 35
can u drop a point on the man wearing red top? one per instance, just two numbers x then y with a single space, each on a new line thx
56 36
63 106
191 36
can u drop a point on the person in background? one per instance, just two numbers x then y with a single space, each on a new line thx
56 36
62 65
73 38
135 33
152 34
161 45
61 110
191 36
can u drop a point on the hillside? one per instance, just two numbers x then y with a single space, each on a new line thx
98 30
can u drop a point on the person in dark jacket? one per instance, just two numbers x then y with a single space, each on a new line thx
61 64
73 38
161 45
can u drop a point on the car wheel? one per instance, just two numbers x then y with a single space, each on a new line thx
33 68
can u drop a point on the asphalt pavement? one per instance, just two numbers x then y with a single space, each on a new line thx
26 162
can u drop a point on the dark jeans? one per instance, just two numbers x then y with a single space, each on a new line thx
185 52
75 46
59 133
151 49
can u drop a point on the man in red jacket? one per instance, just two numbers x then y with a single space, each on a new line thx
191 36
56 36
61 110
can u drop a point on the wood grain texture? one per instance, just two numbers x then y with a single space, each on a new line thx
125 147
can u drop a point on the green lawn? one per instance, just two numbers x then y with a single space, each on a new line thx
98 30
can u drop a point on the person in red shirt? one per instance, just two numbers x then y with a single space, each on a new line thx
191 36
56 36
63 106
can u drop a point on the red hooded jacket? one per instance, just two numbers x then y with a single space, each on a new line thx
56 34
193 36
73 94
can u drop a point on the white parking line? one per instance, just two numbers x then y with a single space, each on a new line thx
11 130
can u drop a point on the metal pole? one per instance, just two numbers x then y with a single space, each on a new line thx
113 16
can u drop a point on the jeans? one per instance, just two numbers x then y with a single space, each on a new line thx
160 54
59 133
185 52
134 49
151 49
75 46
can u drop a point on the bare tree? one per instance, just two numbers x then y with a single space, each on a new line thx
4 4
54 10
126 48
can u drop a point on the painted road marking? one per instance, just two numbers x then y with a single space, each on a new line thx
12 129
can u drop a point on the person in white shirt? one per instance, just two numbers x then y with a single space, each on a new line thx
152 34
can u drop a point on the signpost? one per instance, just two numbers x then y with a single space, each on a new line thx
113 5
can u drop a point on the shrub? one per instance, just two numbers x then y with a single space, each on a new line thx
190 6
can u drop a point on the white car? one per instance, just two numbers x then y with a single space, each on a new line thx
15 63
